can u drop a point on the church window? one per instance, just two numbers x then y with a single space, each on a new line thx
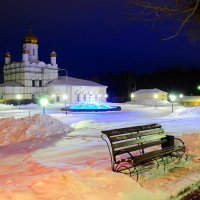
33 83
58 99
33 51
84 97
40 83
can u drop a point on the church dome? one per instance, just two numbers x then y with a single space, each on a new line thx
53 54
7 55
30 38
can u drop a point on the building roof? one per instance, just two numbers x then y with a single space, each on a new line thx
62 80
150 91
11 84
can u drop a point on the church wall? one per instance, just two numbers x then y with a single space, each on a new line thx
50 74
88 93
33 51
77 94
57 92
9 92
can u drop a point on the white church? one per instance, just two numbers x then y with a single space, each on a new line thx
32 78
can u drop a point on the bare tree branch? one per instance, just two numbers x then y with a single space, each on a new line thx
179 10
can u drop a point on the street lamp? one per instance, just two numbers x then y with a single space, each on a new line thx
181 96
132 97
106 96
65 98
43 103
99 97
198 87
172 99
155 96
53 97
18 97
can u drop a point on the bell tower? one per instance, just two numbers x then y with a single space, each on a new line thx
30 43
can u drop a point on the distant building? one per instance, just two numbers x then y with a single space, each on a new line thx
32 78
149 96
190 100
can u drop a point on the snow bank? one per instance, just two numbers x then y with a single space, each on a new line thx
186 112
6 106
38 126
87 184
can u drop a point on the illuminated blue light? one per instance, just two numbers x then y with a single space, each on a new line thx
90 107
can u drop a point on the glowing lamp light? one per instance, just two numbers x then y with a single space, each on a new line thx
99 95
172 97
198 87
18 96
43 102
53 95
65 96
132 96
180 95
106 96
155 96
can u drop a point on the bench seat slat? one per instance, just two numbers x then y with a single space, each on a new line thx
136 160
135 135
130 129
136 141
155 154
142 146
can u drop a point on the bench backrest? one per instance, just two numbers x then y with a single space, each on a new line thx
135 138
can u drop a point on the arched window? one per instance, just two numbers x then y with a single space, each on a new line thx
84 97
78 97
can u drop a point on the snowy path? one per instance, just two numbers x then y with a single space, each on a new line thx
85 143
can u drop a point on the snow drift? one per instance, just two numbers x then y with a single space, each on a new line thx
38 126
186 112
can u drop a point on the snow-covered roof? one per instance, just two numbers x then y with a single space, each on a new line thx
150 91
11 84
62 80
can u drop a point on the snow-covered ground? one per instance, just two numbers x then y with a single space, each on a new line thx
63 157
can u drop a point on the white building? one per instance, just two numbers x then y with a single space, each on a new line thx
32 78
149 96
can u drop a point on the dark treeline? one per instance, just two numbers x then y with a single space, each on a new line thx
174 79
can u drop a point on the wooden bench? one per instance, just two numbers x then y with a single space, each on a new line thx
137 147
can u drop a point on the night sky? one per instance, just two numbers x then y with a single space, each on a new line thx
91 36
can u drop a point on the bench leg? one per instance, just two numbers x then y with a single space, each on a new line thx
157 163
119 169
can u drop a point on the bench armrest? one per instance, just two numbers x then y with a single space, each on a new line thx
179 142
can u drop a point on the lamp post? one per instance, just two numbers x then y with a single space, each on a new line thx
18 97
43 103
106 96
99 96
53 97
132 97
155 96
172 99
65 98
